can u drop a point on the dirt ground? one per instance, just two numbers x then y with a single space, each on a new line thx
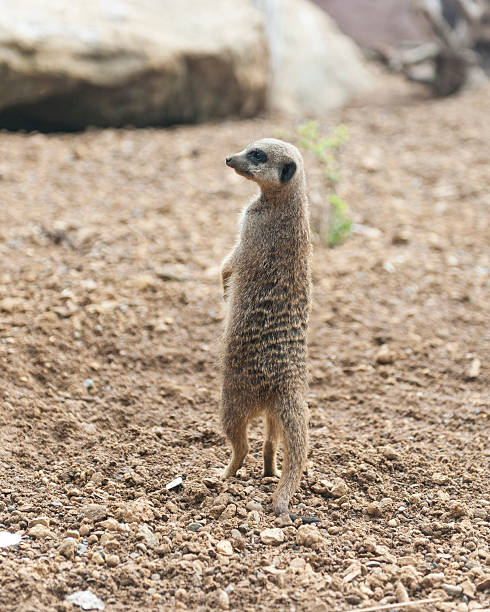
110 317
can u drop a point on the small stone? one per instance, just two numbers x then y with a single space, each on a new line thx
137 511
224 547
229 512
407 560
469 588
457 509
272 536
68 547
84 529
384 355
88 383
432 580
39 532
339 488
173 272
112 560
297 565
452 590
253 505
94 512
393 522
98 557
86 600
152 539
254 517
374 509
223 600
194 526
176 482
39 520
110 524
72 533
93 539
439 478
391 453
483 585
401 593
474 369
308 535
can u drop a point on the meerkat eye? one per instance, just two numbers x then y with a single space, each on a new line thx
257 156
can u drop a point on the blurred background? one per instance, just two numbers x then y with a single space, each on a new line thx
66 65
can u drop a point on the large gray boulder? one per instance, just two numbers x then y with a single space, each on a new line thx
68 64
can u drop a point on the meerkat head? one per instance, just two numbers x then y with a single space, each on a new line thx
272 164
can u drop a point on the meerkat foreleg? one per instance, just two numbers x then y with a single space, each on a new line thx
226 272
293 418
272 433
234 419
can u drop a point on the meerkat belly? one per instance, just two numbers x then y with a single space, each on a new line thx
267 341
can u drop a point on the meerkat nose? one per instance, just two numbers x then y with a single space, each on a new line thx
228 160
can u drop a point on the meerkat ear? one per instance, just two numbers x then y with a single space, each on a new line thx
287 171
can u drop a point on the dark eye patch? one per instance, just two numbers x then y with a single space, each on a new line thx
257 156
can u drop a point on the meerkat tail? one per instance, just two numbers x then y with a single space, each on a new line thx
292 415
272 435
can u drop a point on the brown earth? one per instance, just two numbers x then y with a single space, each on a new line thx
110 315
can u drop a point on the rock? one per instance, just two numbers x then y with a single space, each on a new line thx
401 593
452 590
474 369
439 478
86 600
457 509
391 453
314 66
407 560
112 560
224 547
40 532
152 539
84 530
173 272
483 585
253 505
374 509
132 62
68 547
297 565
339 488
9 539
39 520
384 355
137 511
308 535
223 599
469 588
229 512
94 512
273 536
110 524
432 580
194 526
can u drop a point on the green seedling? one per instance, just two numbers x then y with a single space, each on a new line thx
332 224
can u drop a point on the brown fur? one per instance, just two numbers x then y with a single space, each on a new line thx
266 283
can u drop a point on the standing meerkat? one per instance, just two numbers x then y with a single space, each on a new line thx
267 287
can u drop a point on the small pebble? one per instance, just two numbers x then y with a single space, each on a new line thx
224 547
112 560
194 526
272 536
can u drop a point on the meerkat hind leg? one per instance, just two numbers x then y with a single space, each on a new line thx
272 433
292 415
235 418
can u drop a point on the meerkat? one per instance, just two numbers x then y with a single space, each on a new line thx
267 288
